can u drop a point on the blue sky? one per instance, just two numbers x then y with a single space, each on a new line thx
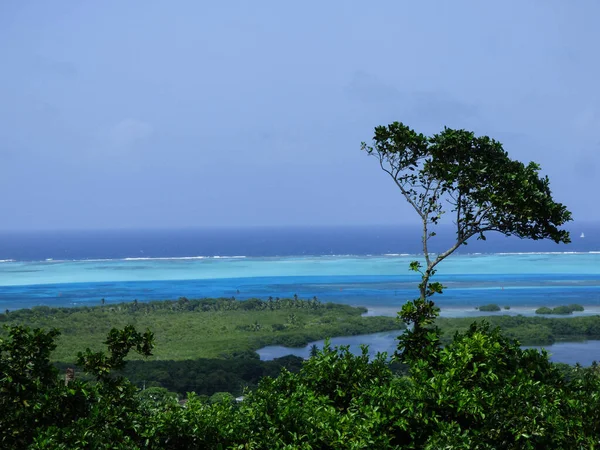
193 113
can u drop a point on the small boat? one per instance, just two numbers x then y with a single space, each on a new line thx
582 235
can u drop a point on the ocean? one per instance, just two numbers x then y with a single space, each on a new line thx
365 266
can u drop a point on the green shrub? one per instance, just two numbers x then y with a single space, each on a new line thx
576 307
544 310
507 307
156 397
221 397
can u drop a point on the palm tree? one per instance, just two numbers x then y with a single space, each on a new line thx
292 319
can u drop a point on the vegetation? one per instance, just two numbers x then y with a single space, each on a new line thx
481 391
203 376
560 310
492 307
203 346
207 328
529 330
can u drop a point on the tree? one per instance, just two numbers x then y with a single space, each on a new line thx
37 406
156 398
473 179
221 397
25 378
292 319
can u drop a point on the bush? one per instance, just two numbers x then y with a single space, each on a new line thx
492 307
507 307
543 310
221 397
156 397
576 307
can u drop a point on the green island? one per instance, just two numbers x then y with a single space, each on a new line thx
528 330
560 310
492 307
203 328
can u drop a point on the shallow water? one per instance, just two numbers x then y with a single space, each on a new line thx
381 283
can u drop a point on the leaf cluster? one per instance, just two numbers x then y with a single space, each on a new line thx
473 179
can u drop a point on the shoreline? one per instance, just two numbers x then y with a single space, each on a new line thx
402 256
458 312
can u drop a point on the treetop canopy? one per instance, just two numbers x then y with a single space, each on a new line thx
472 178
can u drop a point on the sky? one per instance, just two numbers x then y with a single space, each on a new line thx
155 114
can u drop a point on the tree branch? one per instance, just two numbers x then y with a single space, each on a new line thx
401 187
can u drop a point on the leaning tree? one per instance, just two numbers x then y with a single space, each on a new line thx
472 180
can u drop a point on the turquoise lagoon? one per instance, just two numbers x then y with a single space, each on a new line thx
522 281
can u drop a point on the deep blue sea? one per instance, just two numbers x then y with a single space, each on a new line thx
356 265
264 242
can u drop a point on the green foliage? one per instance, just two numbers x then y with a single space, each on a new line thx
39 409
120 343
560 310
221 397
473 177
206 376
492 307
208 328
482 391
25 375
530 330
155 398
492 394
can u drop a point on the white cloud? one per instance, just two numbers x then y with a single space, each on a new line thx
129 132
